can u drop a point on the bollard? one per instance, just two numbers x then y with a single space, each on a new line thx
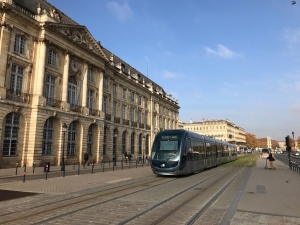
113 167
46 171
78 167
122 163
17 168
33 168
92 167
103 163
24 173
74 165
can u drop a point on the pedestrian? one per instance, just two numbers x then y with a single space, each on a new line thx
86 158
126 156
271 160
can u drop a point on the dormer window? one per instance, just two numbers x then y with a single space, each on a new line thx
19 44
123 68
52 57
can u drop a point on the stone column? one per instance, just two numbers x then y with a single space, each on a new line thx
4 48
84 85
40 73
100 92
64 88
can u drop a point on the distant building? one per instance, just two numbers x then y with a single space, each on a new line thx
224 130
269 142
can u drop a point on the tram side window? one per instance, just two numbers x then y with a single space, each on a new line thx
214 150
219 150
222 150
201 151
208 150
226 151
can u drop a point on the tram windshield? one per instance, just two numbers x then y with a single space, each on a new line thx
166 147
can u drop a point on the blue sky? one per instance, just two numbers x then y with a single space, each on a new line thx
234 59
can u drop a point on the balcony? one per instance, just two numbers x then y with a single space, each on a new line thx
107 116
17 96
53 102
117 120
133 124
94 112
125 122
141 125
148 127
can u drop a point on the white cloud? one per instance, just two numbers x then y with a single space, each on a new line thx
222 51
122 11
167 74
292 36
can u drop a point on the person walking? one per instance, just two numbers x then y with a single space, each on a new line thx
271 160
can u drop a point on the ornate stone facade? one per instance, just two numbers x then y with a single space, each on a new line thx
53 72
223 130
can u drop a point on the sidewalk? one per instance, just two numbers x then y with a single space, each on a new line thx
270 196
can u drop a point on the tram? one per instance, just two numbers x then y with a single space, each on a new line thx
180 152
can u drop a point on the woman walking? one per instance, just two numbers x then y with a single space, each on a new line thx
271 160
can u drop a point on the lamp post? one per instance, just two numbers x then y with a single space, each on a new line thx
293 139
143 149
115 149
64 129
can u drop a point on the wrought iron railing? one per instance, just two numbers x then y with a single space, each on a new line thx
107 116
53 102
133 124
94 112
117 119
17 96
125 122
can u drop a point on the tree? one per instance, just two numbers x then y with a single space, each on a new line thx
251 140
275 144
262 143
298 142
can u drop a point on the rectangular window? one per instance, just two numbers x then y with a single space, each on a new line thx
105 83
16 80
132 114
114 109
49 90
52 57
124 112
89 101
139 116
132 96
90 75
104 104
115 90
140 100
124 93
146 118
146 104
19 45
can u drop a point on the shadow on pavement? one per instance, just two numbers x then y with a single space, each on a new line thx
8 195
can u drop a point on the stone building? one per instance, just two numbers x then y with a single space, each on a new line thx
53 73
223 130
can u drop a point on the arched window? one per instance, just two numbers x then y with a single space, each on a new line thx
72 93
124 142
47 137
72 139
140 144
11 134
89 140
104 141
132 143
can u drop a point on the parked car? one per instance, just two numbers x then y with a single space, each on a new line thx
297 153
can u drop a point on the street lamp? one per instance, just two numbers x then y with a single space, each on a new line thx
115 148
64 129
293 139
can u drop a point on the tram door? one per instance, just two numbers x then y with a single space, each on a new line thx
189 156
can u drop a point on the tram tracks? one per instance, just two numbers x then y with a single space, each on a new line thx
56 205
